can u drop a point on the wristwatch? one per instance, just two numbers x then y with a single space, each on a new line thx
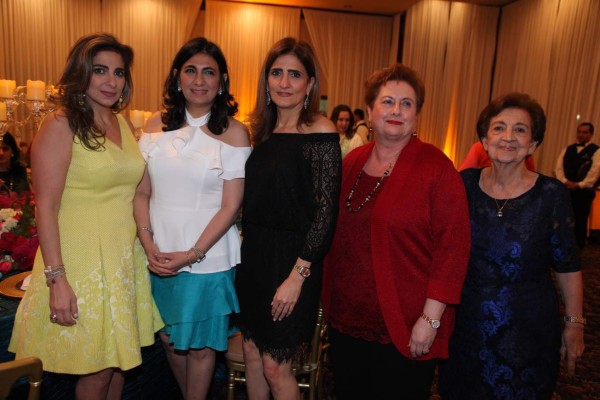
303 270
435 323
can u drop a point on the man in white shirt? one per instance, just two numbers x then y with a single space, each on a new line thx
578 167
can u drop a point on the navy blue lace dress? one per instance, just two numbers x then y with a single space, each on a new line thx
507 337
290 207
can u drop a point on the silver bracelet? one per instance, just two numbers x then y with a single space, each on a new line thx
576 320
145 228
53 272
200 255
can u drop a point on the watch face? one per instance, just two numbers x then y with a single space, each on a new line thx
435 323
305 272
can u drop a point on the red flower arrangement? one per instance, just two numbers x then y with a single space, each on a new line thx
18 234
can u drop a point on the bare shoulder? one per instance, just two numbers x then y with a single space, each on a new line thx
54 130
236 134
154 123
321 124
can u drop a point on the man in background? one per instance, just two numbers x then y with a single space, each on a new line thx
578 167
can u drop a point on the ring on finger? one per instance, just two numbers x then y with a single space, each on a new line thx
53 318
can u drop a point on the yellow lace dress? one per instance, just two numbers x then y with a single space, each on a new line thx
106 267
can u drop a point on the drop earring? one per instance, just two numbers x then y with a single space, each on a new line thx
81 99
268 97
178 87
306 102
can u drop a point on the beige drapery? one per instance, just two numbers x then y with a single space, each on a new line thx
37 36
451 45
349 47
245 33
549 49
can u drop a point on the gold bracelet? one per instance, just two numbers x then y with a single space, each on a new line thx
576 320
187 255
145 228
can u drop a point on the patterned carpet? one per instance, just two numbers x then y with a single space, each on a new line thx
585 384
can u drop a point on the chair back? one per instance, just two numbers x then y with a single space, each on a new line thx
30 367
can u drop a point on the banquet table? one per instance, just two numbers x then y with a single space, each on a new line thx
151 380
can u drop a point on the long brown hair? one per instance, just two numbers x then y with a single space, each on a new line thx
264 116
76 79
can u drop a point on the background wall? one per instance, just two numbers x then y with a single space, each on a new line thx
466 53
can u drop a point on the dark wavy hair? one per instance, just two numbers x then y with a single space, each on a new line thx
514 100
174 101
10 141
264 116
75 81
398 73
336 113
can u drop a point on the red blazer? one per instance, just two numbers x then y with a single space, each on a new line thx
420 240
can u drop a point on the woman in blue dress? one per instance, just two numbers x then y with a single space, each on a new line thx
507 342
185 209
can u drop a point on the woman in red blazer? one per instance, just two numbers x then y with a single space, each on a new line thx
400 251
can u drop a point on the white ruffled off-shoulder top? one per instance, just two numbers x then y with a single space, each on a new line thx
187 169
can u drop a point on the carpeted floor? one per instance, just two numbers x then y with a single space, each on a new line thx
584 385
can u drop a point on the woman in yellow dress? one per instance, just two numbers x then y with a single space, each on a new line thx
88 309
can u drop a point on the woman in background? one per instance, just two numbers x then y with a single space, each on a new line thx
185 208
343 118
289 210
400 251
13 175
89 269
507 341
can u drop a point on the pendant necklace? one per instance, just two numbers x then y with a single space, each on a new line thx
371 193
499 214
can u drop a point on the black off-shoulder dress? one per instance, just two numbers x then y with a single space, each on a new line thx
290 208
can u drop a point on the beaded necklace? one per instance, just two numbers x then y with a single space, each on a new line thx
371 193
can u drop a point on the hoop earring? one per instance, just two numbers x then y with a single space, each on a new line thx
268 97
306 102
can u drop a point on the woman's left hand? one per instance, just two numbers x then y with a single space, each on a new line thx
572 345
172 262
286 296
421 338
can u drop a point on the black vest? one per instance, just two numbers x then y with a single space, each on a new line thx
576 165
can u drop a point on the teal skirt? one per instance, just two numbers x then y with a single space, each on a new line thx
196 308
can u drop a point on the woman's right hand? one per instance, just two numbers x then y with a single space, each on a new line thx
156 263
63 302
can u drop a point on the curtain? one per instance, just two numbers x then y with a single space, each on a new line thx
155 30
451 45
36 38
549 49
424 50
245 33
349 47
467 73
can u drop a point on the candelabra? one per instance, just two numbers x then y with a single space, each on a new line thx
22 108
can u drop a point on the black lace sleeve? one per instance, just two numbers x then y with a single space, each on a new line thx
325 160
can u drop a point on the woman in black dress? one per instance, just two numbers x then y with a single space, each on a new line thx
507 340
289 210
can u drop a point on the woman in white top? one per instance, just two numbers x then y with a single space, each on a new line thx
343 118
185 208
